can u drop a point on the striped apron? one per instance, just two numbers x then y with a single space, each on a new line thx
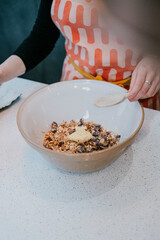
91 47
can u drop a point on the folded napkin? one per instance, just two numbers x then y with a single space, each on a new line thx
8 94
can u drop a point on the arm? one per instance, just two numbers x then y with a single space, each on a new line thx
35 48
11 68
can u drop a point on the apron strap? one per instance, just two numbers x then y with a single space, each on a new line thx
121 83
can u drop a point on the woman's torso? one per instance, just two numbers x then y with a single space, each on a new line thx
92 48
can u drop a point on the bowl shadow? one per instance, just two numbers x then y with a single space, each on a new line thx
55 185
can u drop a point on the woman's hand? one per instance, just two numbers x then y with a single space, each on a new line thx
11 68
145 81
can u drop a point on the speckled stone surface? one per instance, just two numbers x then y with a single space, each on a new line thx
39 202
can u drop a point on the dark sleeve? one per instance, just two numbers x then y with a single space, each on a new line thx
42 38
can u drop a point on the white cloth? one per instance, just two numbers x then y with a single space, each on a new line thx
8 94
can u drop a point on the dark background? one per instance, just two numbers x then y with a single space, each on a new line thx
16 20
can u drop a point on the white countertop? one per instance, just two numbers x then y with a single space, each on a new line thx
39 202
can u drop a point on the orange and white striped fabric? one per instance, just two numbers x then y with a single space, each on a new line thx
92 48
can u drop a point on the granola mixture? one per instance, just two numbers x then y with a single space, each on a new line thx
68 137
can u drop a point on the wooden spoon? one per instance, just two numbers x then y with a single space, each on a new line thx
110 100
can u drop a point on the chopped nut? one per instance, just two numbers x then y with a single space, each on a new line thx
54 130
98 125
54 126
70 130
96 134
118 136
102 140
96 140
81 122
81 149
60 144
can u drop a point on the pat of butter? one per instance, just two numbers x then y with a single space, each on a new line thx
80 135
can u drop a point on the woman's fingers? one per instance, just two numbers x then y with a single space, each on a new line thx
143 93
139 82
157 89
152 90
133 81
148 90
145 80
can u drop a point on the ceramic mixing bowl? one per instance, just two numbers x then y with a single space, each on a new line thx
74 100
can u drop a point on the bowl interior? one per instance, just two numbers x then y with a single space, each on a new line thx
74 100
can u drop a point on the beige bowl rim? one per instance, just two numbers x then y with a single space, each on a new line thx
120 145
